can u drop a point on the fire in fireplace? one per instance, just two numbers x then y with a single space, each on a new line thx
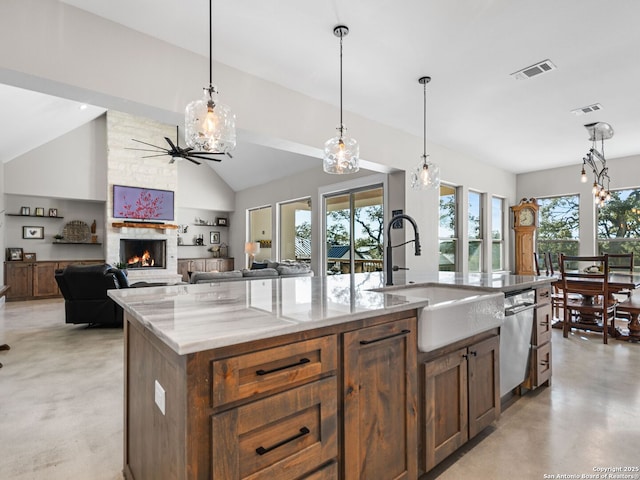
143 253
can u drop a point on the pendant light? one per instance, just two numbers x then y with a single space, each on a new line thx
427 174
341 152
209 125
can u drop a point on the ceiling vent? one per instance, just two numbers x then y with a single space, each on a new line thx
534 70
596 107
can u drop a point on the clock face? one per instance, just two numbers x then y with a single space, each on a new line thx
527 217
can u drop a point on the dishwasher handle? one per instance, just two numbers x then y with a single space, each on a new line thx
519 308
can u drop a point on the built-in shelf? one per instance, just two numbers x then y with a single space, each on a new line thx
32 216
157 226
207 225
77 243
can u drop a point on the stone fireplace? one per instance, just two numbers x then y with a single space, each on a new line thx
143 253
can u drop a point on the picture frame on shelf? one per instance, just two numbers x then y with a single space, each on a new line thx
53 212
39 212
221 221
30 232
214 237
28 257
25 211
14 254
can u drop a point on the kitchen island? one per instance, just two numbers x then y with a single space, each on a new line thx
307 377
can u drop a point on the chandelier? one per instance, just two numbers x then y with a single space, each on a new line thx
596 161
427 174
209 125
341 152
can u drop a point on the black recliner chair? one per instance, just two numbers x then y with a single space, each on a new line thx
84 288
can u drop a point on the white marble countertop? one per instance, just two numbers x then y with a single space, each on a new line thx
192 318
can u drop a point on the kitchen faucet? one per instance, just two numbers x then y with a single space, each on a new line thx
416 241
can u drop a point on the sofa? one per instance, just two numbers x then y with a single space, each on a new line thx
268 269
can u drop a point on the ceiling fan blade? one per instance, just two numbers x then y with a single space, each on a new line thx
173 147
147 150
150 144
192 160
158 155
205 158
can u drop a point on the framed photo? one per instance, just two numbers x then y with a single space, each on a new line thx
32 233
214 237
25 211
53 212
28 257
39 212
14 254
221 221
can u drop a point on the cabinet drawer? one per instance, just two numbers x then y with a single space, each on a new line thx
542 328
243 376
541 364
328 472
279 437
543 295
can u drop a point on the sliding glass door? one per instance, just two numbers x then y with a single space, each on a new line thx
354 231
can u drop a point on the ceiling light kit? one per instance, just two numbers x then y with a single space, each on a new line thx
209 125
596 161
341 153
427 174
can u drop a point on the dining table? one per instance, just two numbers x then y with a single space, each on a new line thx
618 282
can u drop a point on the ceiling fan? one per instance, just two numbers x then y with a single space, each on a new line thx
176 151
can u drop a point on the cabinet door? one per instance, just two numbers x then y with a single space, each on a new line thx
211 265
542 326
197 265
446 407
380 396
183 269
44 282
484 384
226 264
18 276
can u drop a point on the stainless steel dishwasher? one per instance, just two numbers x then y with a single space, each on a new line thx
515 338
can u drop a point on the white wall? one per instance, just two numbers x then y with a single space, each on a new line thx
73 166
624 173
199 186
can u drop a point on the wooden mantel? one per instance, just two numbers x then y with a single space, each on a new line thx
157 226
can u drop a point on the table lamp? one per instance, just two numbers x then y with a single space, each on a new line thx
251 248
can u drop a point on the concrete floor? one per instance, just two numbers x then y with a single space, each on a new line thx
61 400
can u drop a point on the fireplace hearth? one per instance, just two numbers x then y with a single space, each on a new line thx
143 253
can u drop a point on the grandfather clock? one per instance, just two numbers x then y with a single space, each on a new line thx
525 219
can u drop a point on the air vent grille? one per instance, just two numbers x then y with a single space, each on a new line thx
539 68
596 107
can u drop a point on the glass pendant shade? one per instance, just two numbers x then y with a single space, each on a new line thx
209 125
426 175
341 154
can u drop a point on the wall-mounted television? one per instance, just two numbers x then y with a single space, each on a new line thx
146 204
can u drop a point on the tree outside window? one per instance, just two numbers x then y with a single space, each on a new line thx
559 226
619 224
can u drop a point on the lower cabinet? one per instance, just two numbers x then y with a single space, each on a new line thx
188 265
379 398
462 397
33 280
540 352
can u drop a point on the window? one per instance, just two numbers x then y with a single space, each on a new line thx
448 230
354 231
295 230
260 231
619 224
475 232
558 226
497 234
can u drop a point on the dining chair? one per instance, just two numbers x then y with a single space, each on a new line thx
621 262
595 309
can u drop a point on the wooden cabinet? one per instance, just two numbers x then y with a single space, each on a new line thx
33 280
379 398
461 398
187 265
540 353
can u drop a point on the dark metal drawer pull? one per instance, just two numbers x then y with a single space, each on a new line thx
367 342
265 372
303 432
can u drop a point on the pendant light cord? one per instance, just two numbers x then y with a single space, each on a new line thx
210 44
341 125
425 123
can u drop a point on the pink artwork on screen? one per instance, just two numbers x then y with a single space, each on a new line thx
142 204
